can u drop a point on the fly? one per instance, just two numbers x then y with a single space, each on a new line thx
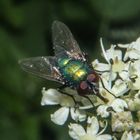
69 66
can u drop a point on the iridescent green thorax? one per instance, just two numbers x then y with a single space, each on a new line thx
74 71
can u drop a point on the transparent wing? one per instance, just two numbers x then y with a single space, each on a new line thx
41 66
63 41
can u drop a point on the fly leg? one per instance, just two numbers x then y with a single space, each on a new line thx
88 99
106 88
102 98
95 90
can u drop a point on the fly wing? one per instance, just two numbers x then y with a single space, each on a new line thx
64 42
41 66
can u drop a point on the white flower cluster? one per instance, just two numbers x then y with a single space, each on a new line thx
119 117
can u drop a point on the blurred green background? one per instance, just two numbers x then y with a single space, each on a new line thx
25 31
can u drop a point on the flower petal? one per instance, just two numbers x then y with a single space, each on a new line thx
106 76
134 104
78 115
119 88
118 105
88 137
93 126
67 101
100 66
102 111
134 44
136 84
127 136
104 137
124 75
121 121
76 131
112 53
60 116
50 97
133 50
132 54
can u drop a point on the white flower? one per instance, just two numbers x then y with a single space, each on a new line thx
122 121
135 75
127 136
102 111
100 66
116 65
78 115
119 88
116 70
50 97
133 53
133 50
134 103
136 136
53 97
77 132
117 105
136 84
60 116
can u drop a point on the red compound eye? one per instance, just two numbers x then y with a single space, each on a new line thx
91 77
83 85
